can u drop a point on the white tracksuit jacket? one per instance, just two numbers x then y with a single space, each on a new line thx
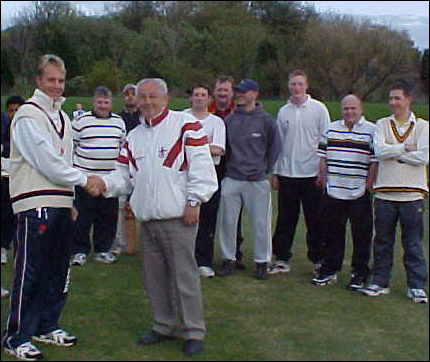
162 165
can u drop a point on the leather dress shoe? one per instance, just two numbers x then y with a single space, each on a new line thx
153 337
193 347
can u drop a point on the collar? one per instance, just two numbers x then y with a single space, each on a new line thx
412 118
47 102
306 103
155 120
212 108
359 123
94 114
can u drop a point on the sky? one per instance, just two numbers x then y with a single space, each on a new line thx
412 16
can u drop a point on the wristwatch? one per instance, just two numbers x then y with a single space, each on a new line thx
193 203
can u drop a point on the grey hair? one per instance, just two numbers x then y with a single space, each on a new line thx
102 92
162 86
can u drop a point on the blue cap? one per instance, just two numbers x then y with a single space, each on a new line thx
246 85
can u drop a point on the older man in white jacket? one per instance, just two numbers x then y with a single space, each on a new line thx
166 166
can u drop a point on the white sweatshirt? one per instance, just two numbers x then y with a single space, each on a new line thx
162 164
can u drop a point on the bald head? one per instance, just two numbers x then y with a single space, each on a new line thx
352 109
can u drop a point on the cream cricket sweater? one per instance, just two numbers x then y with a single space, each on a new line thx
41 156
402 175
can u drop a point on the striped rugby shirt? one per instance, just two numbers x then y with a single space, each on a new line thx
97 142
348 155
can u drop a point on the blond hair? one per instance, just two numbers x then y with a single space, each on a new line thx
51 59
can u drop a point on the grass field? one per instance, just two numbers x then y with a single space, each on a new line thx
283 318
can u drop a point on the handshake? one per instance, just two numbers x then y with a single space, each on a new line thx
95 185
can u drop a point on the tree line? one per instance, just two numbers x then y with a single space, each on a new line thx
188 41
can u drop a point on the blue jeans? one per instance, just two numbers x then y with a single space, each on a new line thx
410 215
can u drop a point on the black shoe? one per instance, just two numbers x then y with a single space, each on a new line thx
227 267
153 337
356 283
193 347
261 271
239 265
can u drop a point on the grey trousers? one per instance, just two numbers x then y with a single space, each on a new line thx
171 278
256 198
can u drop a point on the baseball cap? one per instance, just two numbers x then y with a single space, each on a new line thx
246 85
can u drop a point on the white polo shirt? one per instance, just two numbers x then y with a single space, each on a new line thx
215 130
300 128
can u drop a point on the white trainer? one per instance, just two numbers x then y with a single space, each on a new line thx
79 259
107 258
279 266
59 338
3 256
4 293
417 295
25 352
206 272
373 290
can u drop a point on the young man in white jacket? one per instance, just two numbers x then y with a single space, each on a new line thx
166 166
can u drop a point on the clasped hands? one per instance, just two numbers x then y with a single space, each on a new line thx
95 185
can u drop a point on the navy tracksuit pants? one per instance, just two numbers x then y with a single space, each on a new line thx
41 273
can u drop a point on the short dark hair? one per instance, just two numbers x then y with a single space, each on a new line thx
198 85
225 78
14 100
407 89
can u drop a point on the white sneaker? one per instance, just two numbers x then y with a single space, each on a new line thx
25 352
3 256
417 295
4 293
79 259
115 250
279 266
374 290
59 338
206 272
107 258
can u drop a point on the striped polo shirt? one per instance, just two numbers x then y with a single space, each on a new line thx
97 142
348 155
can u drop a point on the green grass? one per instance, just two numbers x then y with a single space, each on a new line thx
283 318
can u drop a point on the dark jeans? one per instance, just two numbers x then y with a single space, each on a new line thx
8 220
292 193
207 227
410 215
335 214
41 273
206 231
98 211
